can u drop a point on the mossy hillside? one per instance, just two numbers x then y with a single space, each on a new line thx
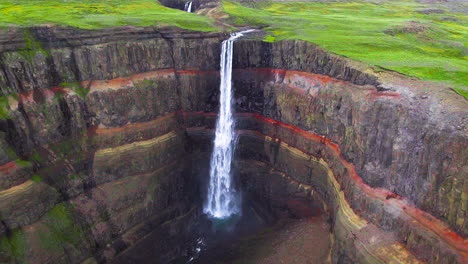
31 47
392 35
63 231
9 153
13 247
89 14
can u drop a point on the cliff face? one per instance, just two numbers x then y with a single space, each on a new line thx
72 146
403 140
102 133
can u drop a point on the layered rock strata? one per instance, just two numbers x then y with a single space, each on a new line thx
379 224
82 174
100 130
409 140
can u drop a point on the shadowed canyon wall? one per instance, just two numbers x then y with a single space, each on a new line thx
102 134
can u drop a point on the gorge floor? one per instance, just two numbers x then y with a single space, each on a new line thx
252 238
288 241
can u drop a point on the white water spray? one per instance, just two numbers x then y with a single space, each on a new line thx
222 200
188 7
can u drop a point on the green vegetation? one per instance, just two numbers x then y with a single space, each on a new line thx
77 88
462 92
62 230
36 178
23 163
75 176
91 14
32 47
386 34
146 85
11 153
14 245
36 157
4 108
71 148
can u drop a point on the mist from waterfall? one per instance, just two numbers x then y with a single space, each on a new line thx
188 7
223 200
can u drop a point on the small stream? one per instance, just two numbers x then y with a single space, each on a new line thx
188 7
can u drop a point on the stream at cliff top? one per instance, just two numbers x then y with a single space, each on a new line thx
188 7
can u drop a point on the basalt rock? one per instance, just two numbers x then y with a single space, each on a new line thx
106 138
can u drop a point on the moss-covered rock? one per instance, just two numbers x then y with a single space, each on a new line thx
13 247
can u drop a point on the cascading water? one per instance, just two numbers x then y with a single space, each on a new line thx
222 201
188 7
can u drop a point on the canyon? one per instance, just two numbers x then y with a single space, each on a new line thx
106 136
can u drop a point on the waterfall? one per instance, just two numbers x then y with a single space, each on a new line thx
188 7
222 200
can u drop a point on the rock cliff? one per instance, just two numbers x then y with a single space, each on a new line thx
102 133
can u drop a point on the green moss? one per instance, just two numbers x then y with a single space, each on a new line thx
90 14
4 108
75 176
461 92
388 34
146 84
15 96
71 148
32 47
62 230
77 88
36 178
58 96
23 163
36 157
11 153
14 246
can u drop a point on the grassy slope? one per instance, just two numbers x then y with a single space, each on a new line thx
357 30
95 14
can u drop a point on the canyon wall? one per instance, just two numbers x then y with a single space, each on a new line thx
403 140
75 183
101 132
